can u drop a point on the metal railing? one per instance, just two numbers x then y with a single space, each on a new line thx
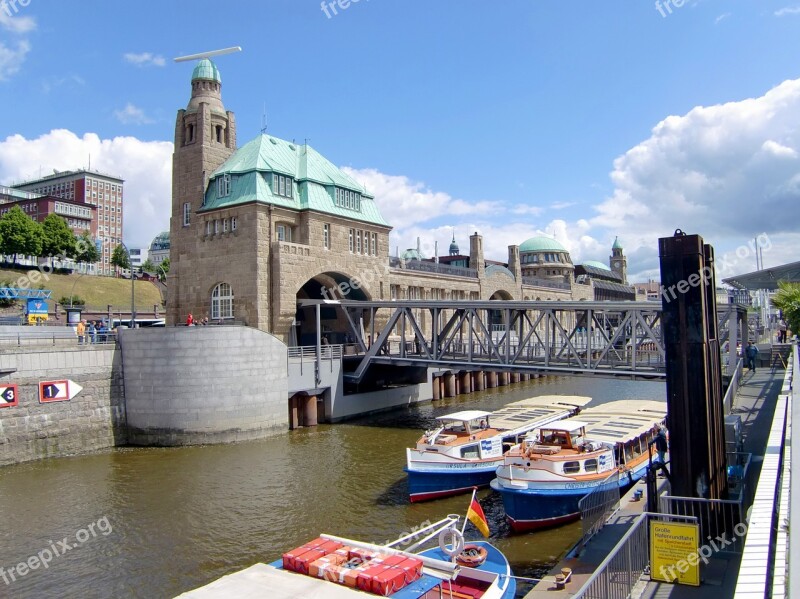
327 352
50 338
622 570
598 505
733 387
433 267
718 518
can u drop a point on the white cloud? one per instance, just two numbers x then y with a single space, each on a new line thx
13 22
132 115
727 172
11 59
562 205
787 11
722 17
144 59
404 202
146 168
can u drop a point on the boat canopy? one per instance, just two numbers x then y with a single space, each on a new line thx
465 416
624 420
567 426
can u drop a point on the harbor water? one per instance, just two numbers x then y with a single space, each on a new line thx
157 522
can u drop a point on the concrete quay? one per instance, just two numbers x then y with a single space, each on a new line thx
756 403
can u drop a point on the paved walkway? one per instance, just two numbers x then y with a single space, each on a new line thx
755 403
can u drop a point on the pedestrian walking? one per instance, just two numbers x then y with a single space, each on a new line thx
782 331
190 320
81 331
750 352
91 333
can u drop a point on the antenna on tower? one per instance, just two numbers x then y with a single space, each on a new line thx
264 119
203 55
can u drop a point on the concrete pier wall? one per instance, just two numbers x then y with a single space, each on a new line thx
189 385
93 420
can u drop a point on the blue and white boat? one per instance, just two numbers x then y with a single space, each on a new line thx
466 448
355 569
543 479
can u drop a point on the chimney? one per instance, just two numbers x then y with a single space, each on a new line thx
436 252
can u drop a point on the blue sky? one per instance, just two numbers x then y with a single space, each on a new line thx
582 120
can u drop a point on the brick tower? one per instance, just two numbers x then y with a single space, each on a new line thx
205 136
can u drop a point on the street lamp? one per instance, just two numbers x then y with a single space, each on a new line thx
132 323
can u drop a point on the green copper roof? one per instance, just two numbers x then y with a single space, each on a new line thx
617 245
541 244
206 69
412 254
315 178
597 264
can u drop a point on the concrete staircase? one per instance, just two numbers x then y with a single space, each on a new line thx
781 354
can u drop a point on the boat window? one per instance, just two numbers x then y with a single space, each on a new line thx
590 465
571 467
469 451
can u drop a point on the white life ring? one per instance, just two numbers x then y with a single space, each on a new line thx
454 538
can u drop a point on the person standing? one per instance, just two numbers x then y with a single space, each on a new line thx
782 331
90 333
750 352
189 320
660 441
81 331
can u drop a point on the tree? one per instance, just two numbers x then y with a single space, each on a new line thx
148 266
787 300
85 249
120 258
57 238
163 269
20 234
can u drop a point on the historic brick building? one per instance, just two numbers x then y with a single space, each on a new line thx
255 229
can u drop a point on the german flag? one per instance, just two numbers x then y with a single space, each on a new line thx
477 517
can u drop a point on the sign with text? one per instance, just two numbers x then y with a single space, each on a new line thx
674 553
9 396
65 390
36 306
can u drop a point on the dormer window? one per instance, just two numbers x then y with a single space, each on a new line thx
346 198
282 186
224 186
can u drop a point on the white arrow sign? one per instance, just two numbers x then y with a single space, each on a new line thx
63 390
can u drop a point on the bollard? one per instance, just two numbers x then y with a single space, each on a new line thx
449 385
466 382
436 388
491 380
310 411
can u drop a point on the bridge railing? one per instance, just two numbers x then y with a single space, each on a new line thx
733 386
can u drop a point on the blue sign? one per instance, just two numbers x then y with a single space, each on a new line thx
37 306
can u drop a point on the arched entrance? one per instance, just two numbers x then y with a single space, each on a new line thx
497 317
335 327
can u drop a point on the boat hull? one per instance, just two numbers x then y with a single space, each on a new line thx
427 485
543 505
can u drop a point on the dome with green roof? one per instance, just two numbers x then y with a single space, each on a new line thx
454 249
412 254
597 264
617 245
206 69
541 244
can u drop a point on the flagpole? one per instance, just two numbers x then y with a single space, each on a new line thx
464 526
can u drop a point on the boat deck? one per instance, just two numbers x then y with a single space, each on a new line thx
519 413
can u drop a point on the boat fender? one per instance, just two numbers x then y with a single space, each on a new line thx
451 542
472 556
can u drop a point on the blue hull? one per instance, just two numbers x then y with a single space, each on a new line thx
529 509
423 486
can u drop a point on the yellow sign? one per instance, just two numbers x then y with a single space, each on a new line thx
34 319
674 555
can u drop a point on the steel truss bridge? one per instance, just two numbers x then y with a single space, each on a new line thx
610 338
619 339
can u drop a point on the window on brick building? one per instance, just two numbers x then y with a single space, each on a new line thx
222 302
326 236
187 211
